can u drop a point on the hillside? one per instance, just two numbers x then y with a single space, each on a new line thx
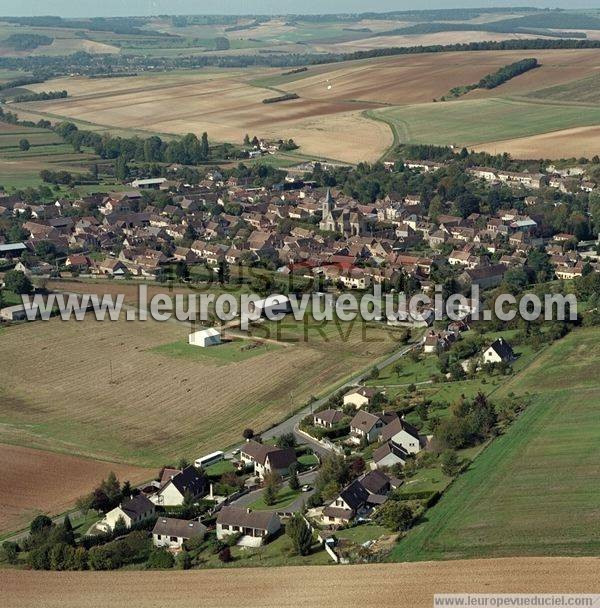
534 491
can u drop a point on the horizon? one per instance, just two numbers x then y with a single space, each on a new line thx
150 8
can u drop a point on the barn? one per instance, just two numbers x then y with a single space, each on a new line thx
205 337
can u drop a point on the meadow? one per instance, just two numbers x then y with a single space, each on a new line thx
475 121
534 490
128 391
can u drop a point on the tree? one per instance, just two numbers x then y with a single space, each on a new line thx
294 482
300 534
450 463
24 145
272 483
223 272
18 282
160 559
182 271
204 147
287 440
69 534
374 373
183 561
248 434
395 515
121 168
39 524
225 555
398 369
10 551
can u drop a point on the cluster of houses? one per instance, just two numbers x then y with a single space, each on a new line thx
226 220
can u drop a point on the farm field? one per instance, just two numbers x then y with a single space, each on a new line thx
534 490
47 151
329 120
33 482
101 390
319 586
476 121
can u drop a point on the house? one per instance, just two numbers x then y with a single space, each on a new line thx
327 418
112 267
12 250
360 397
436 342
499 351
483 276
148 184
388 455
132 511
172 533
19 312
267 458
358 498
205 337
403 435
365 426
189 482
256 527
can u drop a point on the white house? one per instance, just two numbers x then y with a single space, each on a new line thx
172 493
403 435
205 337
255 526
172 533
359 397
268 458
498 351
365 424
388 455
131 512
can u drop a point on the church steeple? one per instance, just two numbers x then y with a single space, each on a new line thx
328 203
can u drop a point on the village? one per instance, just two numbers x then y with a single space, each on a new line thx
352 470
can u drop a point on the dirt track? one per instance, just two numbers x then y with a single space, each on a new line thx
410 585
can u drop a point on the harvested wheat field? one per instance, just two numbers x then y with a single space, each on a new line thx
34 481
326 121
135 392
405 585
581 141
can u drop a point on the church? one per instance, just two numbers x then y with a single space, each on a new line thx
345 221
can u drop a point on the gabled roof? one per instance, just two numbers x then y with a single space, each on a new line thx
189 480
137 505
330 416
389 448
179 527
395 427
235 516
375 482
364 421
278 458
354 495
502 348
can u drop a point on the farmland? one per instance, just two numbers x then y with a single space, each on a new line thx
534 490
34 481
324 586
333 116
105 390
476 121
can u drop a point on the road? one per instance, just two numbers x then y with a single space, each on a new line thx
304 478
290 425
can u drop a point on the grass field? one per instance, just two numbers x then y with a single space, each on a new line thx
285 497
534 490
475 121
102 390
226 352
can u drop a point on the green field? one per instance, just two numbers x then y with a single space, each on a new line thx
534 490
586 90
476 121
285 497
221 354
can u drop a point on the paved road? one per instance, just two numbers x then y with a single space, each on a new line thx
304 478
291 424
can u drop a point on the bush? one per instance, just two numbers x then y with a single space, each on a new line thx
183 561
10 551
160 559
225 555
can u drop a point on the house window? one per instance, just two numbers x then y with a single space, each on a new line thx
173 539
225 527
159 537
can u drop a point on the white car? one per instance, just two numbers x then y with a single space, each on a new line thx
306 488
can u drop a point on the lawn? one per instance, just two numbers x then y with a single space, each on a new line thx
363 533
534 490
222 354
219 468
477 121
285 497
